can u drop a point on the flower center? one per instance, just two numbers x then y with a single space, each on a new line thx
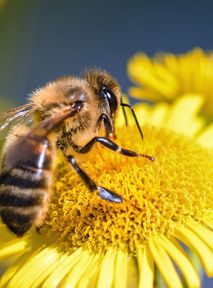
173 189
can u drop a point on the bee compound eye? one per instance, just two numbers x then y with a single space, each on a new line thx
110 96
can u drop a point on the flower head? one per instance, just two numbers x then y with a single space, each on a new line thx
88 242
166 76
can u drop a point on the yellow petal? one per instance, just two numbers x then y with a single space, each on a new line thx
107 270
146 267
13 247
159 114
74 276
165 265
191 239
120 279
170 61
167 76
10 272
132 272
152 75
143 113
33 267
193 126
183 112
205 234
144 93
208 222
65 266
48 266
206 137
89 275
181 260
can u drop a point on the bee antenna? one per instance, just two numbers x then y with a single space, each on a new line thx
133 114
124 113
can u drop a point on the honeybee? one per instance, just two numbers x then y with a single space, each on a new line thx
70 114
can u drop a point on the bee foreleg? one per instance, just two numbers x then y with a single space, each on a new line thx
103 193
111 145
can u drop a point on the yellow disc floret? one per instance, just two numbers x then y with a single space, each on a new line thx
174 189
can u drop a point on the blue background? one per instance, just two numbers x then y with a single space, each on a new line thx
41 40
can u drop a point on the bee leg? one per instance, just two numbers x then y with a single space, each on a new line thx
103 193
110 145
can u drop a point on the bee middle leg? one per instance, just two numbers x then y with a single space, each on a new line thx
103 193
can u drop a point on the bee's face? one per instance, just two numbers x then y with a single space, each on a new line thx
108 95
97 90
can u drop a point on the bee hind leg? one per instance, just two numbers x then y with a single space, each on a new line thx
103 193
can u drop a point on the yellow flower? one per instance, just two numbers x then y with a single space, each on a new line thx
88 242
166 76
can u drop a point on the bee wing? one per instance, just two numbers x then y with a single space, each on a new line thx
21 113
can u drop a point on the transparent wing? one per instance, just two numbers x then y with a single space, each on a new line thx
20 114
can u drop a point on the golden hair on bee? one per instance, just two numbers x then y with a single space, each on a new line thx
96 78
71 114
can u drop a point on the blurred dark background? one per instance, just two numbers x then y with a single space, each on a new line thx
41 40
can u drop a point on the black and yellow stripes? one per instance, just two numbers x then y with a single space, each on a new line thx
23 196
19 220
23 181
24 189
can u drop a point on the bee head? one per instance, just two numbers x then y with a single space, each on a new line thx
108 95
98 93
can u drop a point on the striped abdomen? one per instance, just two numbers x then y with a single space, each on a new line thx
25 182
